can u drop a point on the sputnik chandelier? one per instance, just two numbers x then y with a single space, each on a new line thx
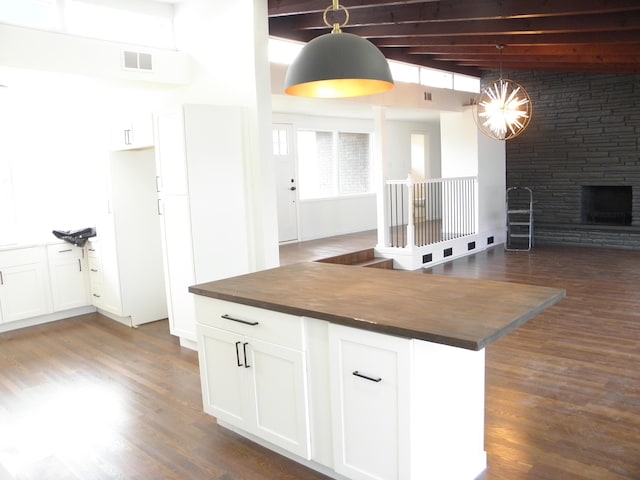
503 108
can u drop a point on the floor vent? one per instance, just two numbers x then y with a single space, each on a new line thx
471 245
427 258
447 252
137 61
489 240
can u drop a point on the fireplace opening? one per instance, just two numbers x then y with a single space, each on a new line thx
606 205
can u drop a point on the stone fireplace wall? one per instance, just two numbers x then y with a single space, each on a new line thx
585 130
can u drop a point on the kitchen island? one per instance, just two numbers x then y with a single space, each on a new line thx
359 373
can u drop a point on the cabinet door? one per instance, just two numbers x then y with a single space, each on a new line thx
95 273
24 289
178 265
171 162
132 133
69 277
279 386
107 263
370 399
225 390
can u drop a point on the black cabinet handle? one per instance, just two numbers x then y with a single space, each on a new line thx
246 322
367 377
238 354
244 350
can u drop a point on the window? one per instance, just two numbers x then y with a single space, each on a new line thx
140 22
436 78
280 142
144 26
332 164
31 13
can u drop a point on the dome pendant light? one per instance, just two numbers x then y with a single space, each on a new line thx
337 65
503 108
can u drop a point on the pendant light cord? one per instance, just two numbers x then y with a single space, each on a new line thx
500 47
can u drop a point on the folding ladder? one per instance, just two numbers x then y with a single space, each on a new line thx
519 219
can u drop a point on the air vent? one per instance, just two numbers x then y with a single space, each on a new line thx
447 252
427 258
489 240
471 245
137 61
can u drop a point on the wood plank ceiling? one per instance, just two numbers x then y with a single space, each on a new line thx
589 36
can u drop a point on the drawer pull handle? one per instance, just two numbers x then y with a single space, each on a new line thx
244 350
238 354
246 322
367 377
63 251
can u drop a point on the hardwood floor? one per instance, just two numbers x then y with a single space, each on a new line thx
87 398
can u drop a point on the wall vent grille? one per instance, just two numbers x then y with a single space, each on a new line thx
137 61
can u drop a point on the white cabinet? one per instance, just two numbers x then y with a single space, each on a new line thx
104 280
179 269
405 408
383 407
202 201
127 252
370 400
171 161
24 284
253 370
69 276
132 133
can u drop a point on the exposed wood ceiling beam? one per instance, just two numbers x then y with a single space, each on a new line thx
461 35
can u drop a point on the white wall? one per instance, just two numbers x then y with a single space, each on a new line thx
70 122
398 151
459 144
55 133
228 44
467 152
336 216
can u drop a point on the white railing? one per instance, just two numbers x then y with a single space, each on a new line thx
425 212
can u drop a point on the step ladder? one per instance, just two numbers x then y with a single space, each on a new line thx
519 219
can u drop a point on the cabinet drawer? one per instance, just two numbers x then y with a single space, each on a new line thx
275 327
21 256
61 252
94 266
93 250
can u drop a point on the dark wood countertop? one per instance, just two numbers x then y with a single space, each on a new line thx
452 311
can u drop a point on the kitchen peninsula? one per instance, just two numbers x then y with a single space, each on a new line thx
359 373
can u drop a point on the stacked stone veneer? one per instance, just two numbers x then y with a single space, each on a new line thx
585 130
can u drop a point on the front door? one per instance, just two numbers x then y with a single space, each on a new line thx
286 192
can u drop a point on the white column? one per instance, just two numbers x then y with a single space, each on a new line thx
380 169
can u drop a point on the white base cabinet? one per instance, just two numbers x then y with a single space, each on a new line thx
370 377
351 403
405 409
254 374
41 283
69 276
24 284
